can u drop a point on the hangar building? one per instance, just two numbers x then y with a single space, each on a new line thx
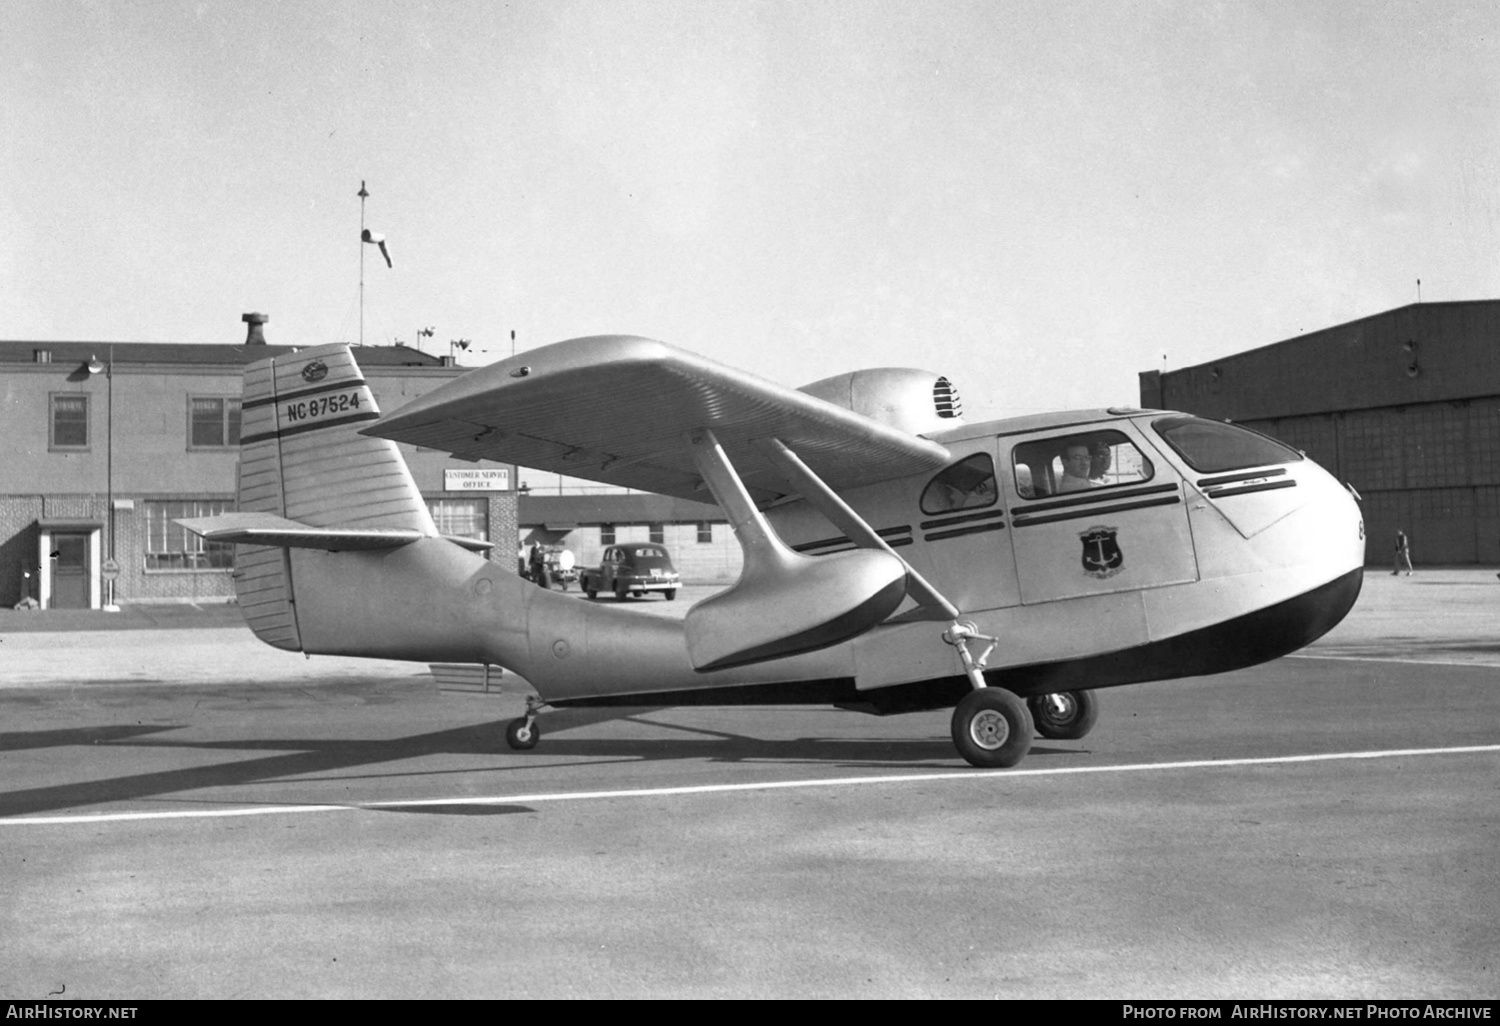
106 444
1403 405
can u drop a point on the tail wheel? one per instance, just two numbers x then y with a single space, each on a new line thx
522 734
992 728
1065 715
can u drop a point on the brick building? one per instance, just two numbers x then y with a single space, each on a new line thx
106 444
1404 406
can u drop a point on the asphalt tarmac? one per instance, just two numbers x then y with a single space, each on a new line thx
188 813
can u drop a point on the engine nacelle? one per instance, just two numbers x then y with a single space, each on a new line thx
914 401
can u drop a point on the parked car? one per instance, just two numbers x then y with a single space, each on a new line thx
632 569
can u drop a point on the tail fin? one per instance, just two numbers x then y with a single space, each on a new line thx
302 459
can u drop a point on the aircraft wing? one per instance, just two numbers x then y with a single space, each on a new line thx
619 409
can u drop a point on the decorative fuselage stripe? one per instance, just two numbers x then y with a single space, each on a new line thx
1026 520
1243 475
998 525
302 393
841 543
1091 499
1269 486
304 428
963 519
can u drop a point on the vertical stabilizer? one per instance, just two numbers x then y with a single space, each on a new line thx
302 458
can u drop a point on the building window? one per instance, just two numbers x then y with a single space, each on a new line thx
705 533
606 534
70 421
213 423
169 546
461 518
657 534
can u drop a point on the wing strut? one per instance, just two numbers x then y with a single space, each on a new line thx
827 502
784 602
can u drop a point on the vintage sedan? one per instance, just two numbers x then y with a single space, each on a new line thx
634 568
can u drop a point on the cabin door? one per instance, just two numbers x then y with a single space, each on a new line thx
1092 514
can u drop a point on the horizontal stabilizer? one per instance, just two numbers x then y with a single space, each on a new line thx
269 529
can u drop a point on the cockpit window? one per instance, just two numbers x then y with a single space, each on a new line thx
1078 462
968 484
1209 446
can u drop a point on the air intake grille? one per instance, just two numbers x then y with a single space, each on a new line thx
945 399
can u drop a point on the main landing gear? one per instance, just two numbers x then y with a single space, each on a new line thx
992 727
1065 715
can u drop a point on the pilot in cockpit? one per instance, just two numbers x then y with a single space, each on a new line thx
1078 464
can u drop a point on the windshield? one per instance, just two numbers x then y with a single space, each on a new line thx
1210 446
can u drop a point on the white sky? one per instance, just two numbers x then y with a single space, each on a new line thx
1037 198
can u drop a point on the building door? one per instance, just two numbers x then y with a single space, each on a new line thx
71 573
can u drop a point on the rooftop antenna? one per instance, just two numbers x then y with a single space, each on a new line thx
363 195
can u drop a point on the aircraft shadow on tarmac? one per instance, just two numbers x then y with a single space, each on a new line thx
18 741
300 761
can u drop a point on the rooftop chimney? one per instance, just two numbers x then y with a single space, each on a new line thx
256 335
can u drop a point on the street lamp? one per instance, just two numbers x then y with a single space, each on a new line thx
107 368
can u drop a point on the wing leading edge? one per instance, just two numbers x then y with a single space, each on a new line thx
619 409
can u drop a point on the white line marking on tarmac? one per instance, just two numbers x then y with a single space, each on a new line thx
768 785
1478 662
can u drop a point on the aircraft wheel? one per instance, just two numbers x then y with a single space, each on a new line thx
620 592
670 594
992 728
521 735
1064 716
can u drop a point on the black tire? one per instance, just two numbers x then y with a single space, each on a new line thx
992 728
592 593
621 591
521 737
670 594
1074 721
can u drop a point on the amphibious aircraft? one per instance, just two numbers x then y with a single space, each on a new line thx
896 558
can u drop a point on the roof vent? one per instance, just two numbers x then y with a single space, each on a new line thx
945 399
256 334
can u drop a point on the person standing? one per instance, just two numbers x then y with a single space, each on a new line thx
1403 553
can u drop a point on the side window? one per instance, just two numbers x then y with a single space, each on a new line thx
968 484
1078 462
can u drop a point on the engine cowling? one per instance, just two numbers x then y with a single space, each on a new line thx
912 400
